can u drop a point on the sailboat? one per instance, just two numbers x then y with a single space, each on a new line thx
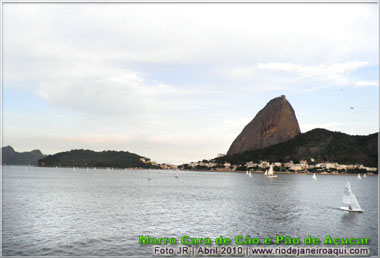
350 199
270 172
247 172
266 172
359 177
364 175
250 174
314 176
176 174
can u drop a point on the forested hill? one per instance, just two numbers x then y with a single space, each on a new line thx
88 158
320 144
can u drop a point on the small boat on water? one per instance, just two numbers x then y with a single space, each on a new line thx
176 174
270 172
349 198
359 177
364 175
250 174
314 176
266 172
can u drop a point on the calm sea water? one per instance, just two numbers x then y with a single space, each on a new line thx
49 211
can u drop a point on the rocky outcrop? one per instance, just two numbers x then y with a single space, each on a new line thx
275 123
11 157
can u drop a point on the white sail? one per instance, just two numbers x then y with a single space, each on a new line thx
270 171
314 176
247 172
347 199
266 172
359 177
355 204
365 175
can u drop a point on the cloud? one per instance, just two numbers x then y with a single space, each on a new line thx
367 83
137 71
336 73
285 73
98 88
314 70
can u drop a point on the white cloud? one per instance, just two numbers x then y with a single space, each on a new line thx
101 89
337 74
107 60
366 83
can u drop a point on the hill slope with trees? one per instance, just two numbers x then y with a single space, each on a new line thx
320 144
89 158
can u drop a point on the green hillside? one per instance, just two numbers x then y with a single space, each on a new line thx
320 144
88 158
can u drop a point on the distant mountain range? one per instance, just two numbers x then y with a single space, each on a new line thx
88 158
11 157
320 144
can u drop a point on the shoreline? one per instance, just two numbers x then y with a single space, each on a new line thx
322 173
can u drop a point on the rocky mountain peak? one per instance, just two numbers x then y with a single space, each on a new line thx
275 123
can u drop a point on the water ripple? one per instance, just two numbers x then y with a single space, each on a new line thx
60 213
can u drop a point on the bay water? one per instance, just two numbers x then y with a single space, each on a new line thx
62 212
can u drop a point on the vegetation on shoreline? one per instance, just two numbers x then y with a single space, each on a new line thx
88 158
320 144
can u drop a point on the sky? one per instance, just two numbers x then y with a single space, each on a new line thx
178 82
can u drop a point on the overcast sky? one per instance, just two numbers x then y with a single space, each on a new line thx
178 82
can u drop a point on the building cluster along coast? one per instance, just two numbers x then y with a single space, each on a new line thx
290 167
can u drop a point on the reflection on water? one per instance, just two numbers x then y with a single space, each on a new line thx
65 212
350 218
